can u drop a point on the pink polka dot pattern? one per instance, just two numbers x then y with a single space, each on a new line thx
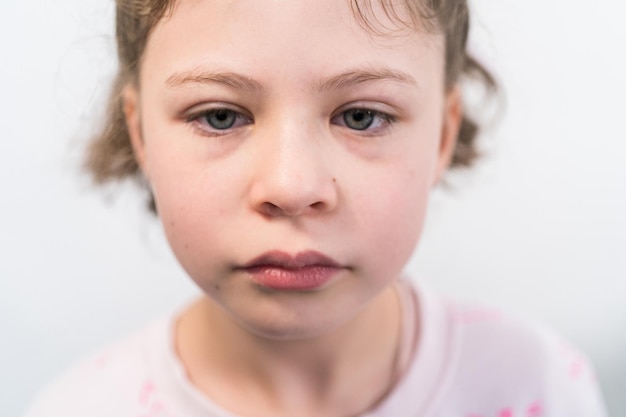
150 404
533 410
575 363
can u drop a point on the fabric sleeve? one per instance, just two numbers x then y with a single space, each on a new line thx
103 384
510 367
573 390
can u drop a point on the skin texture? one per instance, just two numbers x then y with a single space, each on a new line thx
290 175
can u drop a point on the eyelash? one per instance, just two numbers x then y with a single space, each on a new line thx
200 122
381 121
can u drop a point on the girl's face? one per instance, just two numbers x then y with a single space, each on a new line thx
291 153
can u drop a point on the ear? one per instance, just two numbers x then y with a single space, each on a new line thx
452 117
132 114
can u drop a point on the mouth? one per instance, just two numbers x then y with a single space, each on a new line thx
306 271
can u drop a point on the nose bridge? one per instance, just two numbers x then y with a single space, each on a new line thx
293 173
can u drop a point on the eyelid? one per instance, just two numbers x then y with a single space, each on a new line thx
381 111
195 113
199 110
375 106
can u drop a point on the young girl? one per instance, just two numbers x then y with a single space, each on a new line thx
289 148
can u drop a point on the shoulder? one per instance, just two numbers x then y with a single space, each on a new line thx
519 367
106 383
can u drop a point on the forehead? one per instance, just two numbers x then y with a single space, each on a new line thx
277 35
379 16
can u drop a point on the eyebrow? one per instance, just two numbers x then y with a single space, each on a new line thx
363 76
228 79
344 80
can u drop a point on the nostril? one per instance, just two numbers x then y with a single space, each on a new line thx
292 198
275 210
271 209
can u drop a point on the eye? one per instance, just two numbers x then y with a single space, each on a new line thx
218 120
363 119
358 119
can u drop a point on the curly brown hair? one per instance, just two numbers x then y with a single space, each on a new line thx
110 157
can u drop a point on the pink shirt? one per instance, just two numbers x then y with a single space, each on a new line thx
470 362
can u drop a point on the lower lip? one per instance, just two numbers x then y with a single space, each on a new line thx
298 279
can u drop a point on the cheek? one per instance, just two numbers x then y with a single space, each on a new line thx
393 214
395 196
193 200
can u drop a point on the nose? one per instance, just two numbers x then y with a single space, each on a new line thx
293 174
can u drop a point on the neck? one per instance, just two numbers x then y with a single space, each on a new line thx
286 377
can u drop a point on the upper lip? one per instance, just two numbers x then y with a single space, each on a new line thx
279 259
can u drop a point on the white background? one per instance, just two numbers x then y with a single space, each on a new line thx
539 228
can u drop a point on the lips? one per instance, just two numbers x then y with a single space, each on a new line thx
305 271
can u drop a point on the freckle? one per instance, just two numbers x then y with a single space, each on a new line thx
217 287
334 179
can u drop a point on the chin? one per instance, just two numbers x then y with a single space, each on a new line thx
294 328
291 321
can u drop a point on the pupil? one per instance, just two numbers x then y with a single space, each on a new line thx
358 119
221 119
